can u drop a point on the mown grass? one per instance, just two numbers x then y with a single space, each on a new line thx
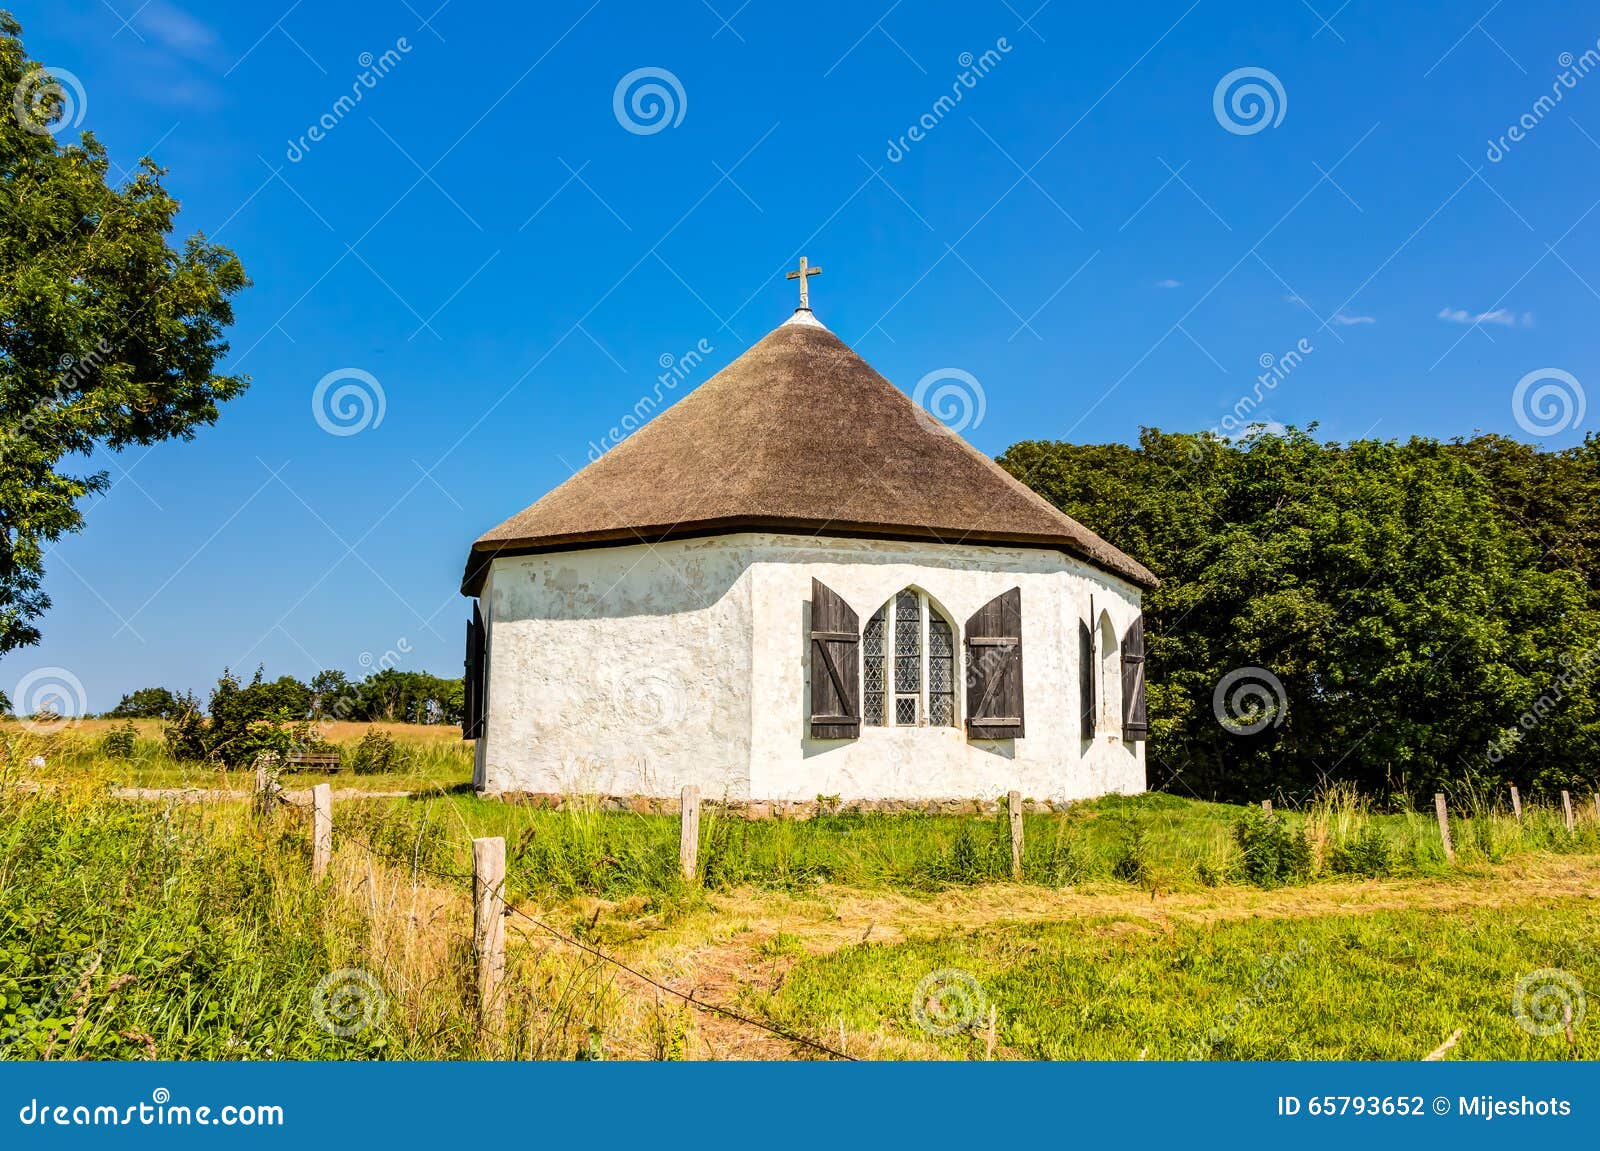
1381 985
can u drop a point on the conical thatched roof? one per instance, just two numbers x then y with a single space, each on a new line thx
798 434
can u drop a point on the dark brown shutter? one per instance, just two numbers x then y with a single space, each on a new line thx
1086 671
1135 718
473 674
835 666
994 669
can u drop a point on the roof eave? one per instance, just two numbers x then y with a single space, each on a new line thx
485 551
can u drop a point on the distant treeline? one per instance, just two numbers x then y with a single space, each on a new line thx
241 719
1429 612
386 696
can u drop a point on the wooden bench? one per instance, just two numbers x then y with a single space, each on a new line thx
313 761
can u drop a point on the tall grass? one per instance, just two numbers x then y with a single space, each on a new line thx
1153 842
188 931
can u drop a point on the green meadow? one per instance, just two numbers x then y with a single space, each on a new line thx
184 926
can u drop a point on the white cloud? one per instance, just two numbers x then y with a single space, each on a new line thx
1168 284
177 29
1348 320
1500 316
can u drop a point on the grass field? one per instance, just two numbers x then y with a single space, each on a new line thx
435 757
1144 927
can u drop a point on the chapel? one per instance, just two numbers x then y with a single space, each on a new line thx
795 582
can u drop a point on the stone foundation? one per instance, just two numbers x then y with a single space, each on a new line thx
775 809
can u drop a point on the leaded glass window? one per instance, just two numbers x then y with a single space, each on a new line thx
872 649
907 658
908 665
941 672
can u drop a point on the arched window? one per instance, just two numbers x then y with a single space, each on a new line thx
908 665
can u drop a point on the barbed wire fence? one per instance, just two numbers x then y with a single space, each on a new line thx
490 903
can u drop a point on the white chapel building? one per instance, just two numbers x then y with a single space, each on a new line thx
796 583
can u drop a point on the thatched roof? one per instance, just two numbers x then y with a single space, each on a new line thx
798 435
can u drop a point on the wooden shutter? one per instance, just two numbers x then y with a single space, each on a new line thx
474 673
1086 673
835 666
1135 718
994 669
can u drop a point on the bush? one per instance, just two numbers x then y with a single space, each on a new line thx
119 742
186 734
1274 852
378 754
1366 853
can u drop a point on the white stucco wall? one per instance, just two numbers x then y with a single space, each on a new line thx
620 671
635 670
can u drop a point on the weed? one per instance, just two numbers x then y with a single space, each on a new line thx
378 754
1274 852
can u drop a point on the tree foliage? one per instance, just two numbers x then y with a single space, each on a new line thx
146 703
109 336
240 720
1432 610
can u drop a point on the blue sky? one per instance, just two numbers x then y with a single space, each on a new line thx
511 259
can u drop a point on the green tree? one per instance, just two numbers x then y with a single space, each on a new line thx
109 336
146 703
1400 593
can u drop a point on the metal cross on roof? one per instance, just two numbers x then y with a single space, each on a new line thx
805 272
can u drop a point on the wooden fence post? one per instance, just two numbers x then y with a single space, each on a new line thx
1266 806
1516 803
1597 805
1014 803
689 831
1444 825
321 829
1566 809
264 783
489 924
